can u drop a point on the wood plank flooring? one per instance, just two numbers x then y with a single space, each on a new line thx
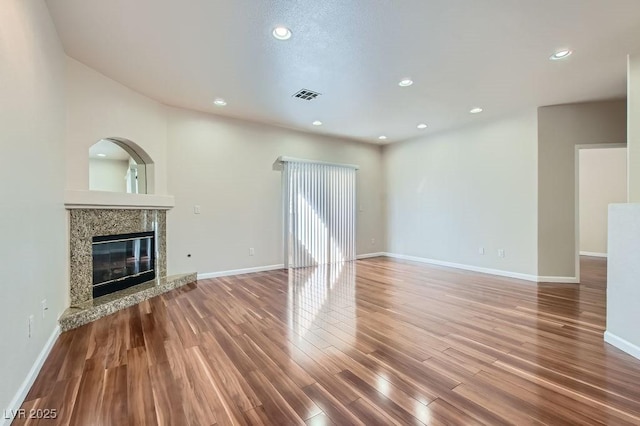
377 341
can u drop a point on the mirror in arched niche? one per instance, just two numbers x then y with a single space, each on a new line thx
119 165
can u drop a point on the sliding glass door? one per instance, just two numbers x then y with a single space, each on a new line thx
320 212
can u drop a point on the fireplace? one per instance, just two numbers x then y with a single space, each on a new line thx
121 261
126 246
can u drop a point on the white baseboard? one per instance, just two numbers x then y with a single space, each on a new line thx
370 255
622 344
498 272
205 275
18 399
592 254
557 280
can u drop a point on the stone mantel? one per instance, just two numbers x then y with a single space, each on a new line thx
74 199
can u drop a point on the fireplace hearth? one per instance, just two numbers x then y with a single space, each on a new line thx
121 261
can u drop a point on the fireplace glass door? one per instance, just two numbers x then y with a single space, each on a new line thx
121 261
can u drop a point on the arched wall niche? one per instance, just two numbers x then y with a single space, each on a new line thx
117 164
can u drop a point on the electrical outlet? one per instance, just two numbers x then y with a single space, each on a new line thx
481 250
251 251
44 307
500 252
30 324
196 209
373 241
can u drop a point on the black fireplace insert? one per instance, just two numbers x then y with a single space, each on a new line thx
122 261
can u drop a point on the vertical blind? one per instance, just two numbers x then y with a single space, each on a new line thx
319 212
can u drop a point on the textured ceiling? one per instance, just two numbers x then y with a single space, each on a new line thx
460 53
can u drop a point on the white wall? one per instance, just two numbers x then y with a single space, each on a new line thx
225 166
32 217
623 270
450 194
108 175
99 108
633 126
602 181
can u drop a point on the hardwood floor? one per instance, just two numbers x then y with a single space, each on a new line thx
378 341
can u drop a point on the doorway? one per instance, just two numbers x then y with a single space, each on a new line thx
601 179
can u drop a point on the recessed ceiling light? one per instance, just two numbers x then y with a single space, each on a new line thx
475 110
317 123
282 33
382 137
102 155
220 102
561 54
405 83
422 126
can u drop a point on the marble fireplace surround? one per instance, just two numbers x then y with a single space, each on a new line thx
96 213
84 224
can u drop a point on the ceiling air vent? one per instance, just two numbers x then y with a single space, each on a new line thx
306 94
